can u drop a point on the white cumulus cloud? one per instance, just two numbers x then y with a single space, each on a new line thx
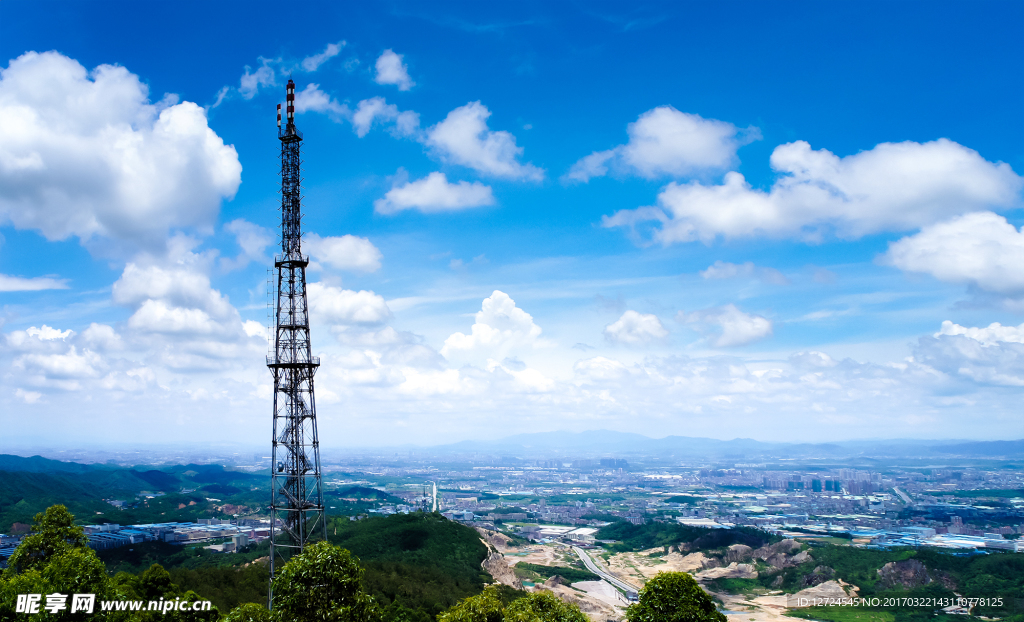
665 141
980 248
70 365
20 284
370 110
391 70
312 99
313 62
100 337
334 305
176 300
464 138
990 335
725 270
635 328
251 238
29 397
368 113
432 194
47 333
727 326
989 356
499 328
892 187
251 81
85 153
346 252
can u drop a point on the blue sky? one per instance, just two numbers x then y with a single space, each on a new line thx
706 219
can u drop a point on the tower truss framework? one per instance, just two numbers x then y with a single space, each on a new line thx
296 488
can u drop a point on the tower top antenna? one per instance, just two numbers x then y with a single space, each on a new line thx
289 129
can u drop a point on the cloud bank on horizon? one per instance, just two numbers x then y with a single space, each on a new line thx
673 270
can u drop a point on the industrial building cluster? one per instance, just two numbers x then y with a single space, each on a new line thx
222 534
110 535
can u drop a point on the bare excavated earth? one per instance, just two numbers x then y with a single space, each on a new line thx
738 608
732 571
603 591
773 608
596 607
498 540
497 566
829 589
737 563
637 568
602 602
543 554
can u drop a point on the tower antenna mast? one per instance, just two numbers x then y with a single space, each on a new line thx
296 491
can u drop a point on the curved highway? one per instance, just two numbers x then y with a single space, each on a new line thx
594 568
903 496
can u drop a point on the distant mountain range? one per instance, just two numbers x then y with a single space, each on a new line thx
596 443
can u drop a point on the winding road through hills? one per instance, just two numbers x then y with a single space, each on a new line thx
594 568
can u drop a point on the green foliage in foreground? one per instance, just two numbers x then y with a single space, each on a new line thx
570 574
490 607
55 559
226 586
416 565
673 597
138 557
640 537
322 583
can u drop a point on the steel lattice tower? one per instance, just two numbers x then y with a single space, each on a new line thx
296 493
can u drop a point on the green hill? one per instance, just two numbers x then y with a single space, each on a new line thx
30 485
421 563
416 565
38 464
25 493
640 537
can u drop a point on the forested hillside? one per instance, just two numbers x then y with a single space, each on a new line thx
419 563
30 485
416 565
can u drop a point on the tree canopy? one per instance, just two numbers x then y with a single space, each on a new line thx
535 607
323 583
54 531
56 559
673 597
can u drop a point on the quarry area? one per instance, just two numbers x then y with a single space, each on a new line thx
601 601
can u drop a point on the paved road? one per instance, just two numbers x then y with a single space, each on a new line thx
594 568
904 496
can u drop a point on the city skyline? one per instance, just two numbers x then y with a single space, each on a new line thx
801 226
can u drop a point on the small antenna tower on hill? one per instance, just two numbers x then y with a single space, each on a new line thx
296 492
